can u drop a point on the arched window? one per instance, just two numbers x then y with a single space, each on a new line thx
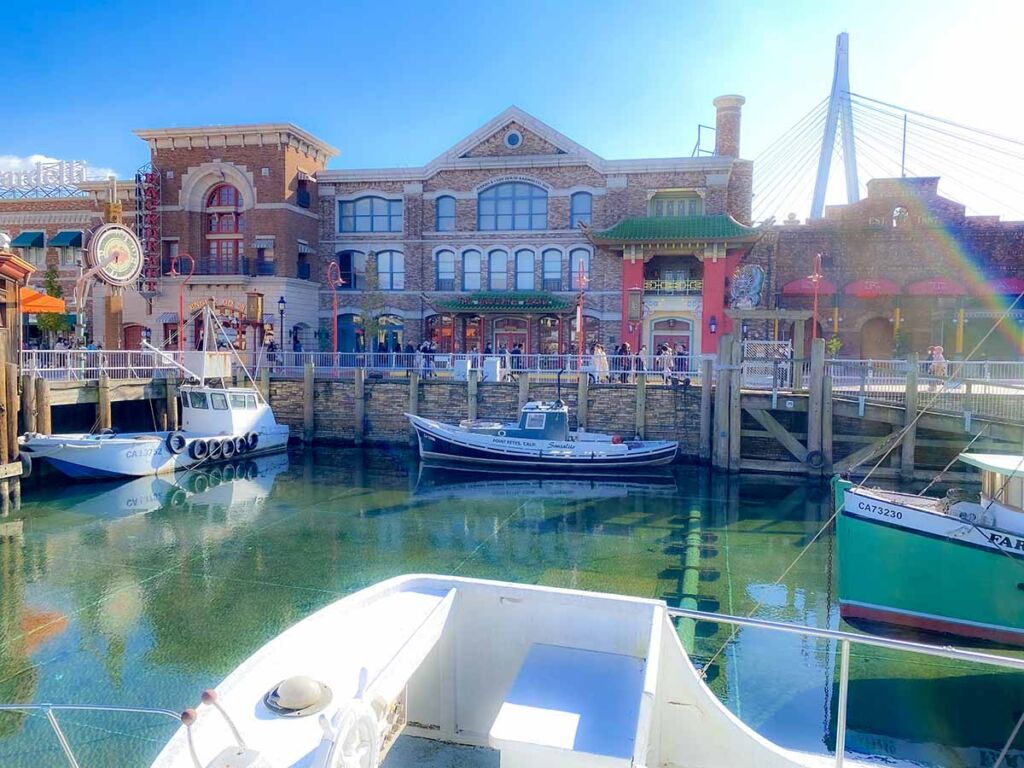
370 214
471 270
512 206
497 270
579 261
524 270
391 270
352 268
446 270
225 224
580 209
440 329
446 214
552 270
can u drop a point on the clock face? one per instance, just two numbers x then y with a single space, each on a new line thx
117 254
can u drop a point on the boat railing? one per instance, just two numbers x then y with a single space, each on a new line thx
845 640
49 711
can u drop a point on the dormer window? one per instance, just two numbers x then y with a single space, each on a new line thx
676 204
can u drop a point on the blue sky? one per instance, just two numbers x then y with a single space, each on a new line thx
396 83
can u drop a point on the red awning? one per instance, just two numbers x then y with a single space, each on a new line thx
805 287
871 288
936 286
1011 285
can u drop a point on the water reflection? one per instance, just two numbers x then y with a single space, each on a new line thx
148 591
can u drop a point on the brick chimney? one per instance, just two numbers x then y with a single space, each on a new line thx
727 125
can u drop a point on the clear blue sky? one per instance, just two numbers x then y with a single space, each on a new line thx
396 83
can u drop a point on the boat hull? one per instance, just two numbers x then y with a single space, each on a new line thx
103 457
928 571
440 443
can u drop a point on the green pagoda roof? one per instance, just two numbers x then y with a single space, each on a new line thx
676 228
483 302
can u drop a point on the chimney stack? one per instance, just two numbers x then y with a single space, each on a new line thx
727 125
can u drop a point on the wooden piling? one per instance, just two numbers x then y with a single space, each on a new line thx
471 384
707 368
5 415
720 438
265 382
171 397
308 394
103 412
910 435
735 403
814 404
826 425
582 400
14 406
641 404
44 423
28 403
524 389
414 402
359 406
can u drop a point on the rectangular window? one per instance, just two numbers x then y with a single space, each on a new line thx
237 401
676 204
250 402
552 270
579 264
445 271
524 271
70 257
445 214
471 271
391 270
370 214
535 420
198 400
581 207
497 275
218 401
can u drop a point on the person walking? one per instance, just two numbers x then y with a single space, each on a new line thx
626 363
640 363
665 363
600 363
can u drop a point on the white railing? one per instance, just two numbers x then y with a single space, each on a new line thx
845 640
88 364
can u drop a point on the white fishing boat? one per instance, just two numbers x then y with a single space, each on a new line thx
544 677
541 439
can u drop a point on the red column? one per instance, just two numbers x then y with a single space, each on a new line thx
713 305
632 285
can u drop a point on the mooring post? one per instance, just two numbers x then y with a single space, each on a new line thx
171 397
735 405
414 402
5 415
471 382
707 369
910 425
641 404
103 414
582 399
43 420
308 395
720 451
815 394
265 382
28 402
359 406
14 407
826 423
524 389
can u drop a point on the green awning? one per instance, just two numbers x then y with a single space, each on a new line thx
28 240
489 302
66 239
676 229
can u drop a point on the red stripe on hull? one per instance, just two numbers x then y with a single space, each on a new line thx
929 624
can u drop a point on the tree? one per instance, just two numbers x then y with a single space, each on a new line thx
52 322
372 303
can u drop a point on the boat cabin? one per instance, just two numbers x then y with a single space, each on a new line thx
213 411
543 421
1002 478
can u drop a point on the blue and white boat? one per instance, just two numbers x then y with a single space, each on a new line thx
541 439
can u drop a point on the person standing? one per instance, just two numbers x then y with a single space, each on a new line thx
600 363
665 360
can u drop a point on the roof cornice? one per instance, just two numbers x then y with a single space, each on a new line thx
260 134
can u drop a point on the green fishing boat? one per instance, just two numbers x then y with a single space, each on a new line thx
953 565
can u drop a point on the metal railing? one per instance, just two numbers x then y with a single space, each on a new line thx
50 710
674 287
845 639
88 364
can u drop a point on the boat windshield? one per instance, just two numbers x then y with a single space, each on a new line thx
198 399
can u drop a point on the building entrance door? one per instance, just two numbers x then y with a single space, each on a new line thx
509 331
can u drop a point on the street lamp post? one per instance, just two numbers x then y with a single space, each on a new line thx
334 280
815 278
281 304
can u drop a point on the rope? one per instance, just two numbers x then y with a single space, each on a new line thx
952 461
1009 741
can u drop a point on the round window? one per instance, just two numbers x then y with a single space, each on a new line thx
513 139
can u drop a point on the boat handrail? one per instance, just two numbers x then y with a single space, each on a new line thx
845 639
50 711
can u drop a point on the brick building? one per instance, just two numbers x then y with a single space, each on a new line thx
903 269
487 243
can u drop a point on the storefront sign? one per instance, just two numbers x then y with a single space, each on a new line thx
44 180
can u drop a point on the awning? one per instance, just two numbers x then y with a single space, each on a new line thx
805 287
490 302
263 242
35 303
303 176
168 318
1004 285
66 239
28 240
872 288
936 286
305 248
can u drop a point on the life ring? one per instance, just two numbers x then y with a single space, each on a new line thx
215 449
241 445
253 440
227 447
616 440
501 433
199 449
26 464
176 443
815 459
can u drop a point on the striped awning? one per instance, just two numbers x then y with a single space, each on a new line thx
305 248
263 242
168 318
303 176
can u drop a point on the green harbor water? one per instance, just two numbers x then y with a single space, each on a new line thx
145 593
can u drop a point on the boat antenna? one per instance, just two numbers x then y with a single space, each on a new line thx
238 359
558 385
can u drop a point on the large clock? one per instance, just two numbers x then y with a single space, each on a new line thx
116 253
